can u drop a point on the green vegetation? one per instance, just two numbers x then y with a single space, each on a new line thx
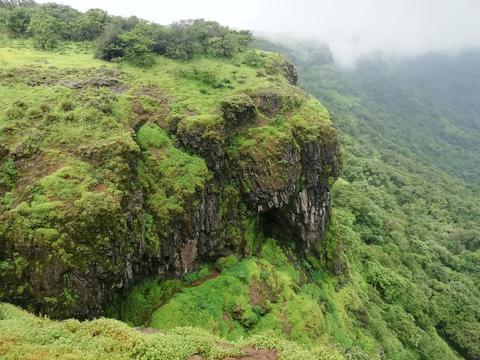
264 303
276 299
106 165
110 172
23 335
130 39
406 218
172 178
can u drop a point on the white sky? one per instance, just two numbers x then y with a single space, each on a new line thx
352 28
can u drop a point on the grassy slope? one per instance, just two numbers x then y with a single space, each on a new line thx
24 336
394 294
406 212
82 139
264 303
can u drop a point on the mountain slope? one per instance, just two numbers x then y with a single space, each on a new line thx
407 207
183 185
118 173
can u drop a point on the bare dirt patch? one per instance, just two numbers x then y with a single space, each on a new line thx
254 354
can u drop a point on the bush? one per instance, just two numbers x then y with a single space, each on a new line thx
253 59
109 45
225 262
191 37
127 40
137 47
238 110
119 39
65 17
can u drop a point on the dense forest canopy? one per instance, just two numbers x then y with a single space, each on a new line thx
408 206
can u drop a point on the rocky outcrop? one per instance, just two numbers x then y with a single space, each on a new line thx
305 216
171 190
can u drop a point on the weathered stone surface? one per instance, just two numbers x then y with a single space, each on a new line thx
298 210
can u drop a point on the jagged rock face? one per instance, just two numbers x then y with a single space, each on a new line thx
308 210
287 69
298 210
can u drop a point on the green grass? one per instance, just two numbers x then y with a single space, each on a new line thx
25 336
267 295
79 145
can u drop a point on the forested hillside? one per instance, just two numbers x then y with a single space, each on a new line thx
406 210
176 179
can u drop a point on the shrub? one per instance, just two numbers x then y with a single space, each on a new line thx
225 262
65 16
109 45
91 24
253 59
137 47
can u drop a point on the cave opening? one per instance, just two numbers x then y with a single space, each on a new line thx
276 226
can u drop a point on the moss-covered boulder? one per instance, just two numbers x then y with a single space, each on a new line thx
238 110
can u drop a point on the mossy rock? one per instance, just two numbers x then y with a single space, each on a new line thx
238 110
278 100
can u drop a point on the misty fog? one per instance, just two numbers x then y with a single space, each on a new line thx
352 28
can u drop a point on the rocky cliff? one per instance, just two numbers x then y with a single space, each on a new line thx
112 175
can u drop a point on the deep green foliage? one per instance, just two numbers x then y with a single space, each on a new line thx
137 47
404 220
66 18
10 4
49 23
16 21
45 29
182 40
190 37
91 24
120 39
143 300
398 276
109 45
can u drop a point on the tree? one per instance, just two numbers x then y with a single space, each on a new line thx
10 4
45 31
160 36
182 42
4 12
91 24
109 45
17 21
225 46
66 17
